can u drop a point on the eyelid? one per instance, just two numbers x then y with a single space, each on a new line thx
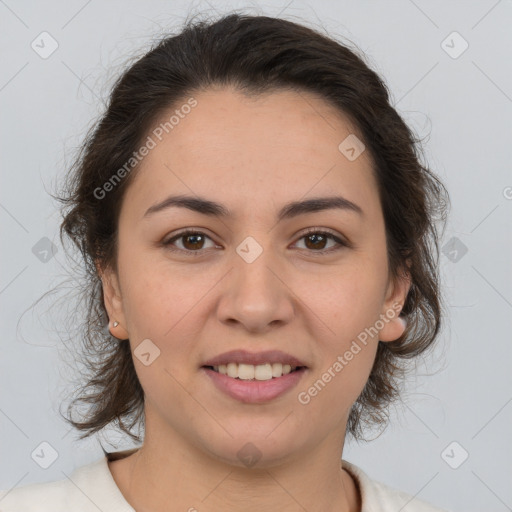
341 241
334 234
167 241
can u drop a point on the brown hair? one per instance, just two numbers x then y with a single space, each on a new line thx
256 54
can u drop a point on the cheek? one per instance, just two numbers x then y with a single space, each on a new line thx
156 294
341 376
164 307
345 301
348 305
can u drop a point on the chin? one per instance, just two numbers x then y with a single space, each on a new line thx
247 449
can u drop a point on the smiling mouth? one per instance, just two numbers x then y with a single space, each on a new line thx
261 372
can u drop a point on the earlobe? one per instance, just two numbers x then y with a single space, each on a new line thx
112 299
393 328
395 325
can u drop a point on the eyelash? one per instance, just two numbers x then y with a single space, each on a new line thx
341 243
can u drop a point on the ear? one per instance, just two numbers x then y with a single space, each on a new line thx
112 299
397 291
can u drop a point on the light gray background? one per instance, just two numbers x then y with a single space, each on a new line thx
462 106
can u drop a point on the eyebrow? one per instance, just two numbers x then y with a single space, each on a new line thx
288 211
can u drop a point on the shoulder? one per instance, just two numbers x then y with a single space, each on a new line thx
379 497
34 497
89 488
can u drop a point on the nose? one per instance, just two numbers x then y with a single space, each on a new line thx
256 295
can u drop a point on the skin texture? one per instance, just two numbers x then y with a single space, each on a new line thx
253 155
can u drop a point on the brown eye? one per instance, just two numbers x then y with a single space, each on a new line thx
315 241
195 241
191 241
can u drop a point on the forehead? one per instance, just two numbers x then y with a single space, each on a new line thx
252 152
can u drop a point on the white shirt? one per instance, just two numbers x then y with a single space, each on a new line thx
92 488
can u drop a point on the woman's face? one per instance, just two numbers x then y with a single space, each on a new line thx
252 280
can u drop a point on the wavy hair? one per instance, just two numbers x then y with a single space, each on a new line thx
256 54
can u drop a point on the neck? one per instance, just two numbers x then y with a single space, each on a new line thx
172 476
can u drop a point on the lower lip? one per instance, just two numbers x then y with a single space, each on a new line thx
255 391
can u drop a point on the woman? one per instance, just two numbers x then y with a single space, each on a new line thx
261 243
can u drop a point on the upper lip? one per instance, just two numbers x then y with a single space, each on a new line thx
254 358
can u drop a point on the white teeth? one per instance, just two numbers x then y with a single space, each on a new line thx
245 371
263 372
250 372
232 370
